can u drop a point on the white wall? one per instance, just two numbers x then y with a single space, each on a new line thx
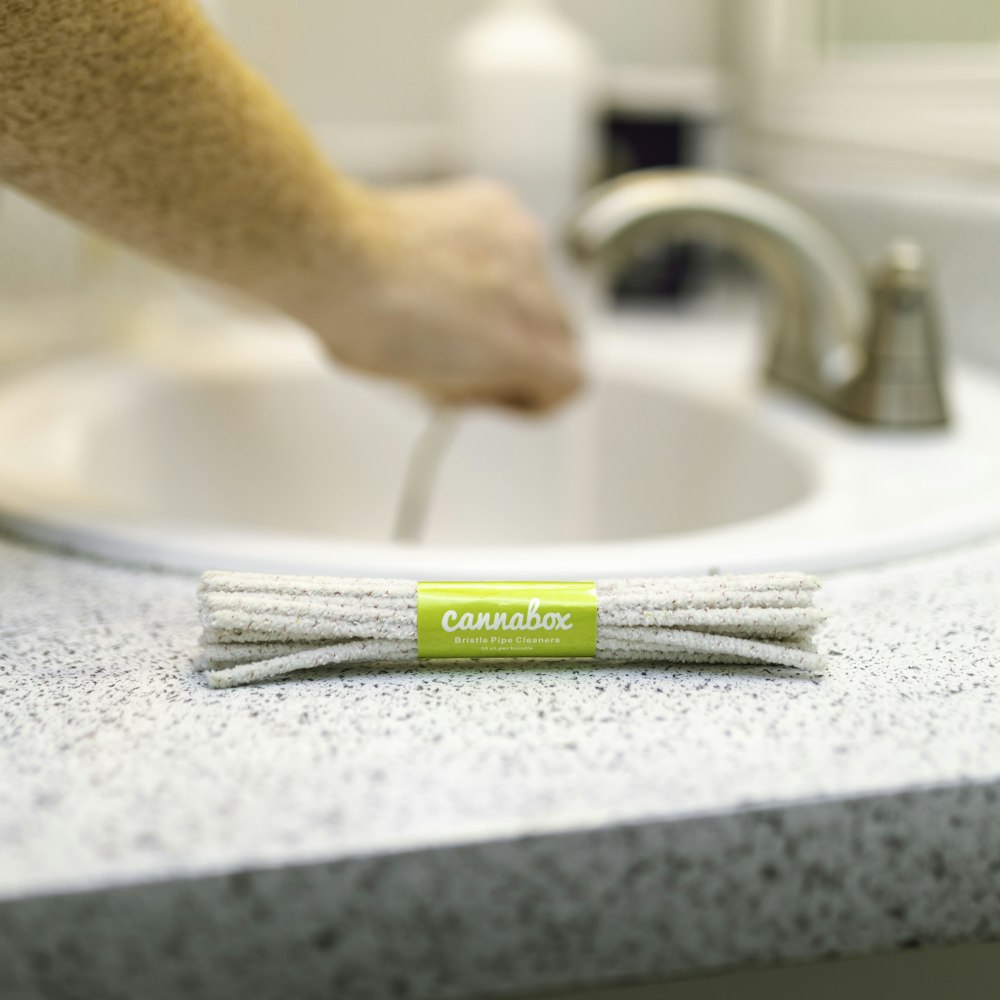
380 61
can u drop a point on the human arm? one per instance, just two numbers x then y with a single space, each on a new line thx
135 117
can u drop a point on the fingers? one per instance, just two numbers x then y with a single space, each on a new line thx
531 372
535 381
557 381
549 361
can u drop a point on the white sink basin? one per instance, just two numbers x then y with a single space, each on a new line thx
244 449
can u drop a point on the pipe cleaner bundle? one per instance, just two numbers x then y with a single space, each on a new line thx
259 627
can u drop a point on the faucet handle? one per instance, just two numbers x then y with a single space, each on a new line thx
901 383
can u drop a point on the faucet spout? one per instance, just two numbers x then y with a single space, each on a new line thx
818 342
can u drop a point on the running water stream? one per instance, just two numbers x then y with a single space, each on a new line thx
422 474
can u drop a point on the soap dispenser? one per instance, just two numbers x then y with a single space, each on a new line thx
524 85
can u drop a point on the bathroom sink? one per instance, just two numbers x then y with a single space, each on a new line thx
242 447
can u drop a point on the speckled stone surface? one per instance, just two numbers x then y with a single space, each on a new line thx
450 832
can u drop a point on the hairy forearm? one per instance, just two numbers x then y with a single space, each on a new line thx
134 117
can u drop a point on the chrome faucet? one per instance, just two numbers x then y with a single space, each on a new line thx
868 349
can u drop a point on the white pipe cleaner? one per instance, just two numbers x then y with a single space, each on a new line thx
258 627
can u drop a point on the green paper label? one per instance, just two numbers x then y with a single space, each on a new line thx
506 619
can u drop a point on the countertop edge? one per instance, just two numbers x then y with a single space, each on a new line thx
795 881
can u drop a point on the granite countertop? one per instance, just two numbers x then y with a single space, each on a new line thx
446 832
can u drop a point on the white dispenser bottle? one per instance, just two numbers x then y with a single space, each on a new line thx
524 83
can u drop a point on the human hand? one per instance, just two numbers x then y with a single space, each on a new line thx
458 302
